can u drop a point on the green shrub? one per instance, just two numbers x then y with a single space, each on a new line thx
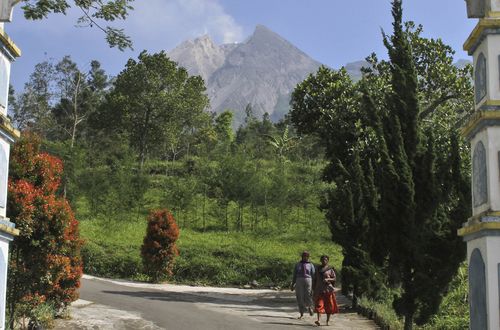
381 312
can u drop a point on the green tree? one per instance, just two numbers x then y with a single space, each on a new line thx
108 177
223 127
253 135
93 13
33 107
282 144
181 194
79 94
56 103
153 100
232 182
58 99
426 191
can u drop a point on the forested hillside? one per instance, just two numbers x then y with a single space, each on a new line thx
251 195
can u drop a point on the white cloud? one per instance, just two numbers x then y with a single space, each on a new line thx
153 25
169 22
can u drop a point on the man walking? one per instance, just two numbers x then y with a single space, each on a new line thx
303 275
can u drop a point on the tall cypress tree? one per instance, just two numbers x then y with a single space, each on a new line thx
404 99
419 220
348 209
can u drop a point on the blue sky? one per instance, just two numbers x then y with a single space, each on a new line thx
333 32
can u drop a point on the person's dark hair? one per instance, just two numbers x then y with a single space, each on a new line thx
324 256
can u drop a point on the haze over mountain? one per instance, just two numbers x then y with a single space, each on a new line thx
262 71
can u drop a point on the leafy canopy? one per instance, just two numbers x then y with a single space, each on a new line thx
94 12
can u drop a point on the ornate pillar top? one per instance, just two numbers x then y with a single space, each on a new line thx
483 8
477 8
6 7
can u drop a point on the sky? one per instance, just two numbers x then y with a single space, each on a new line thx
332 32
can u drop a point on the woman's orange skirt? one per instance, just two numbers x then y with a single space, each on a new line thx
326 303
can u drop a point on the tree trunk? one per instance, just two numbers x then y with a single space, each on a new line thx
241 218
225 218
203 212
354 304
238 218
143 138
142 158
75 112
266 215
408 322
13 290
256 225
192 217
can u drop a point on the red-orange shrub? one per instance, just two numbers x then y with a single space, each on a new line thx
158 249
45 259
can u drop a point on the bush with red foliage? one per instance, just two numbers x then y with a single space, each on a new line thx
158 249
45 263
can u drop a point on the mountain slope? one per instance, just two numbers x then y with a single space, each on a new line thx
200 56
262 71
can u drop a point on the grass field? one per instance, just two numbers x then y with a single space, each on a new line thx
112 249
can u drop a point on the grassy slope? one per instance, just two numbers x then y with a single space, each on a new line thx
214 258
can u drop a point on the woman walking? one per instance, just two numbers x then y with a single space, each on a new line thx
303 275
324 295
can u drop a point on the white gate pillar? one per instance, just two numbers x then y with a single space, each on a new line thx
8 53
482 230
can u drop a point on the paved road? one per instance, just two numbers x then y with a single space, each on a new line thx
143 307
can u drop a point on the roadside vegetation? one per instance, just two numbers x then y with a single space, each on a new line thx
453 312
214 258
398 168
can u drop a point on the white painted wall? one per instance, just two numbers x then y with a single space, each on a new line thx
4 168
483 48
495 5
483 137
4 83
490 47
491 139
4 254
490 251
492 51
492 149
